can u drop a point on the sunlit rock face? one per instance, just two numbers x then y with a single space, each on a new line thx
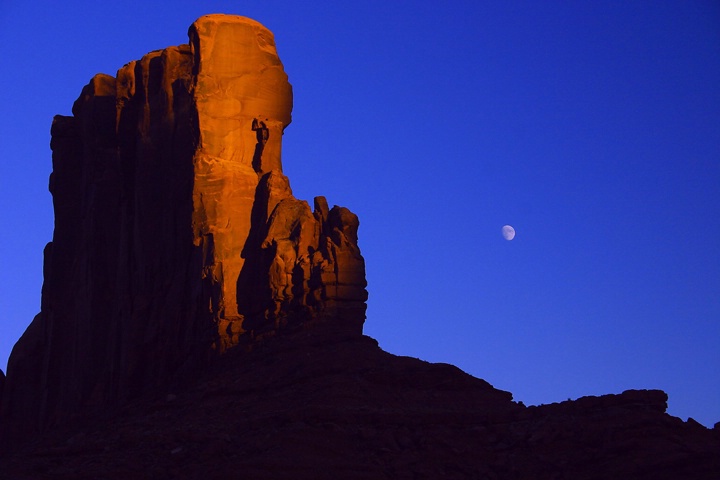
243 101
176 233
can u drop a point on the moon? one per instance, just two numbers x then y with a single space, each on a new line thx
508 232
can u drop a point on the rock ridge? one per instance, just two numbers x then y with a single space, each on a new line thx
318 405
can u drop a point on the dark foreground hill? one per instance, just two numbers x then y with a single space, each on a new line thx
317 405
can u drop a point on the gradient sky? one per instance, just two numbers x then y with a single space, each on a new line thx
591 127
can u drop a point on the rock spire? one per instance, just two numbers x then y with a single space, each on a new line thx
177 235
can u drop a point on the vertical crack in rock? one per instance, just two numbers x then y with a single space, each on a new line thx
176 233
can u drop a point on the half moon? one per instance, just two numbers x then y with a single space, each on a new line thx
508 232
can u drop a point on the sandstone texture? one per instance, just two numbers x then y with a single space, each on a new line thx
317 405
177 235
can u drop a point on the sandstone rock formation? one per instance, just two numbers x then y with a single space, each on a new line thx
176 232
177 237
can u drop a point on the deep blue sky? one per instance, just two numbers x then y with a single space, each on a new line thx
591 127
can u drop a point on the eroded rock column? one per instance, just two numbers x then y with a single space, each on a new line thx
244 103
176 233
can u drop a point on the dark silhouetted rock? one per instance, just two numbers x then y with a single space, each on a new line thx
318 405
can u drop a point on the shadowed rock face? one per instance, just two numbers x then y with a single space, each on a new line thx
176 233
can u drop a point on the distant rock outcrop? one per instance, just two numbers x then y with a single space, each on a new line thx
176 232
